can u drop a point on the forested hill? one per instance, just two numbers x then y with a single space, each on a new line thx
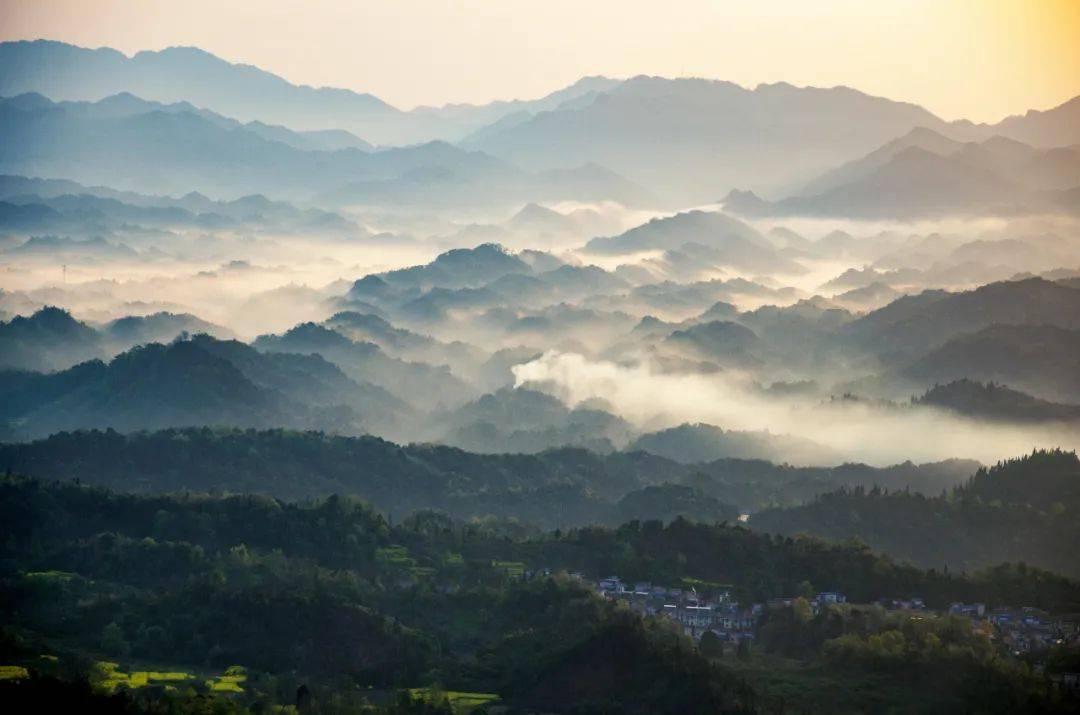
558 488
996 402
1021 510
1047 480
331 595
327 596
97 532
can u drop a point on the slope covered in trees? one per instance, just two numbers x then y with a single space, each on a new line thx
996 402
1023 510
196 381
330 595
563 487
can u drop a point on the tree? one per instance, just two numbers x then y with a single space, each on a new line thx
710 645
113 641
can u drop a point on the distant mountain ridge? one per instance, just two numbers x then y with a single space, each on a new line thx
733 242
50 339
38 206
196 381
692 138
696 443
175 74
996 402
127 143
64 71
925 173
925 321
126 104
1043 360
687 139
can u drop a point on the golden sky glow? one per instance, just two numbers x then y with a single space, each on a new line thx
979 59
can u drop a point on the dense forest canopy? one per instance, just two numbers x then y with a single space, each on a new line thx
1020 510
563 487
215 581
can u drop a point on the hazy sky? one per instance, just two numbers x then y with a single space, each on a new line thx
980 59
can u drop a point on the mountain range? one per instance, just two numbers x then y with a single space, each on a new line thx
132 144
927 320
177 74
696 136
67 209
683 140
926 174
51 339
195 381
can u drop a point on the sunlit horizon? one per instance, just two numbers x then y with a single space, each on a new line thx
964 60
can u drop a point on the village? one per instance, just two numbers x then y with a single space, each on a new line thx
1020 630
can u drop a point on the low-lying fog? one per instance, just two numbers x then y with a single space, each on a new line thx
873 433
259 281
580 336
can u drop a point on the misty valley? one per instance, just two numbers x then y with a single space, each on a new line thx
649 395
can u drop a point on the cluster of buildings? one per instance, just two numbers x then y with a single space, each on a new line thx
901 604
1021 630
1030 629
698 613
971 610
825 598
